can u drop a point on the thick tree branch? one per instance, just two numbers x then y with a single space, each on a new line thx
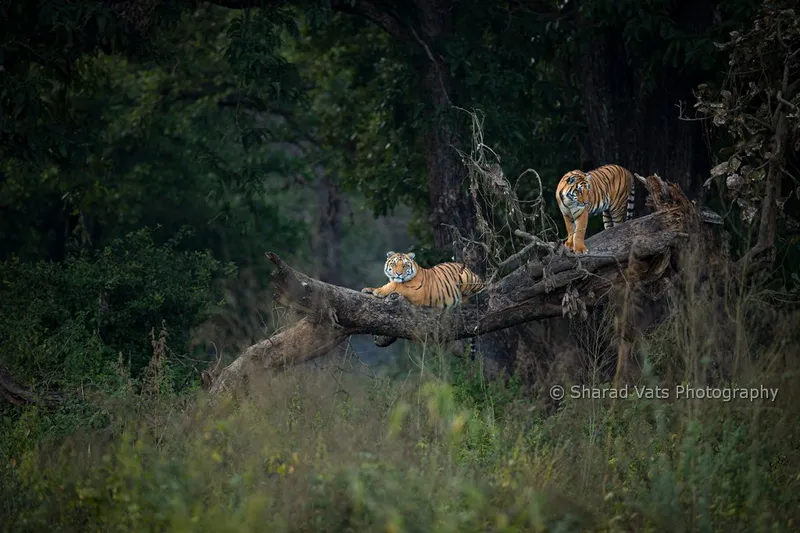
534 291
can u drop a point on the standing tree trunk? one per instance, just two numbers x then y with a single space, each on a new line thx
450 206
327 239
637 124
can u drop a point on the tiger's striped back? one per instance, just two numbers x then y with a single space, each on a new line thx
450 276
446 285
608 189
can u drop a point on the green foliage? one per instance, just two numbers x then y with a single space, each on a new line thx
441 450
64 323
507 65
371 114
215 125
753 116
663 35
176 141
365 106
41 43
254 52
426 463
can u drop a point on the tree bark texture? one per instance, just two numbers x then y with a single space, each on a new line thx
541 288
448 199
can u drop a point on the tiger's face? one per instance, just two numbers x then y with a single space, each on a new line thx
400 267
576 194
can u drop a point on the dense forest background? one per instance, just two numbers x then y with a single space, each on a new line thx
151 151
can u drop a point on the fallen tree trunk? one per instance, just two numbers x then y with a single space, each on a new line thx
542 287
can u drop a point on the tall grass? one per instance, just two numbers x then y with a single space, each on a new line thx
441 451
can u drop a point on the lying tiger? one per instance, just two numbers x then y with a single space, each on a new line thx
607 190
444 285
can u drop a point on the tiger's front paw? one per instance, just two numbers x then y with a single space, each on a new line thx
579 248
367 290
568 243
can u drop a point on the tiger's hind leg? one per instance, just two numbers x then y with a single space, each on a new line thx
617 217
608 222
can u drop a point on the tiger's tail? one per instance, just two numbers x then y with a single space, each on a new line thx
631 197
471 284
472 351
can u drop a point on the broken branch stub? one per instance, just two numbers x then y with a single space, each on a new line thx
535 290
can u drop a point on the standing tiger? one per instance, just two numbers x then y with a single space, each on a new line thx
444 285
608 190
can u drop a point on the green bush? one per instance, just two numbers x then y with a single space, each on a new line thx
63 323
297 457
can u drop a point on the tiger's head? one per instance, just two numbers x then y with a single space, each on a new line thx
400 267
576 193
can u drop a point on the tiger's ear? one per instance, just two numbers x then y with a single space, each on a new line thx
412 255
389 254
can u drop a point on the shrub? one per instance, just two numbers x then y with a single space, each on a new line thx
63 323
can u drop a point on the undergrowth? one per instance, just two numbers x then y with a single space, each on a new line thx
438 451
